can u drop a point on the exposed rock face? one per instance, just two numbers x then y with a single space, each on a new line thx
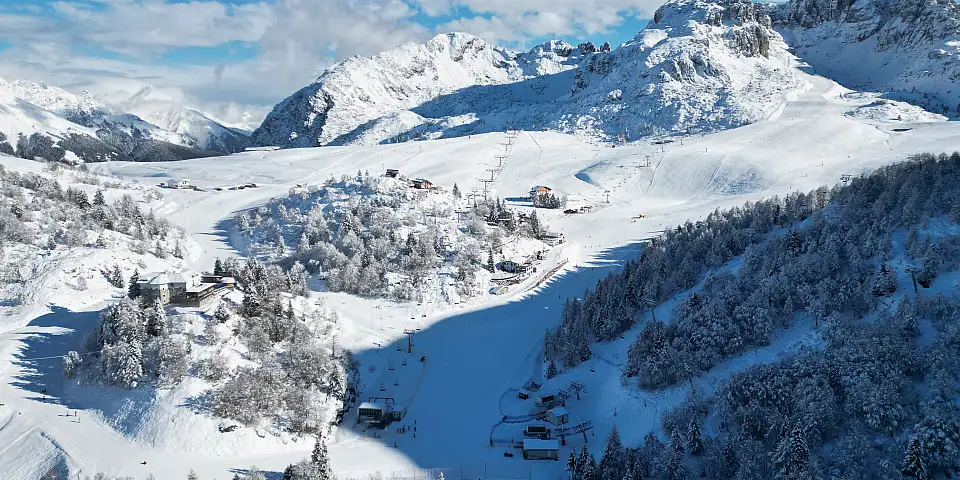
907 48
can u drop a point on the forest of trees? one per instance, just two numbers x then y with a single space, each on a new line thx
293 374
877 400
374 236
37 211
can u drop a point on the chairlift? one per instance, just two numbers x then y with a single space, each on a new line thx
396 382
391 366
404 363
382 388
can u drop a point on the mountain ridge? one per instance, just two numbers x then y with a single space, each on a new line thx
45 121
698 66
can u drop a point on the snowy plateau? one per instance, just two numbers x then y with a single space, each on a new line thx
723 254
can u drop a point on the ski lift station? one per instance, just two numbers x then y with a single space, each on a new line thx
537 449
378 412
558 416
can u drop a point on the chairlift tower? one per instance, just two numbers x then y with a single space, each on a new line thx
409 333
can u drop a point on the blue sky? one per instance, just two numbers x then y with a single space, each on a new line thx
253 53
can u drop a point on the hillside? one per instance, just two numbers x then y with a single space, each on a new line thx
697 67
909 50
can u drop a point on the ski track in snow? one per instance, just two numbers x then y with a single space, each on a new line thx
477 354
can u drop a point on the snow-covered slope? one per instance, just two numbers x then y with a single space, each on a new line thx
483 351
109 135
359 90
909 48
699 65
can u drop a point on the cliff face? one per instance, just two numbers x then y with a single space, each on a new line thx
909 49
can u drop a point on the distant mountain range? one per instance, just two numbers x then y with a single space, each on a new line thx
698 66
39 120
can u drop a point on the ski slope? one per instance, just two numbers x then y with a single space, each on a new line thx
476 354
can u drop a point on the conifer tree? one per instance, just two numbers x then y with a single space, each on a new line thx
98 199
572 463
133 289
551 370
157 319
694 442
792 455
913 466
676 442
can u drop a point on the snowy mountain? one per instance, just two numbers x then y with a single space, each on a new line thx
909 49
171 114
54 121
379 93
697 66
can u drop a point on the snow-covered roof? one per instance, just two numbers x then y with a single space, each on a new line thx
201 287
552 234
376 405
558 411
538 444
165 278
227 280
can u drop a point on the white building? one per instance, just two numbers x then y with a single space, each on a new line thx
553 238
183 183
167 287
558 416
537 449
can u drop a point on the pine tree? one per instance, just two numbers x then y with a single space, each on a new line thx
115 276
694 442
98 199
133 288
288 472
491 266
192 475
676 442
792 455
157 319
321 460
551 370
913 466
614 457
886 282
572 463
584 461
456 191
177 250
221 314
218 267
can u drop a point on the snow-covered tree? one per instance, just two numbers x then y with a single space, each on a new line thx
133 288
913 464
157 319
694 442
551 370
